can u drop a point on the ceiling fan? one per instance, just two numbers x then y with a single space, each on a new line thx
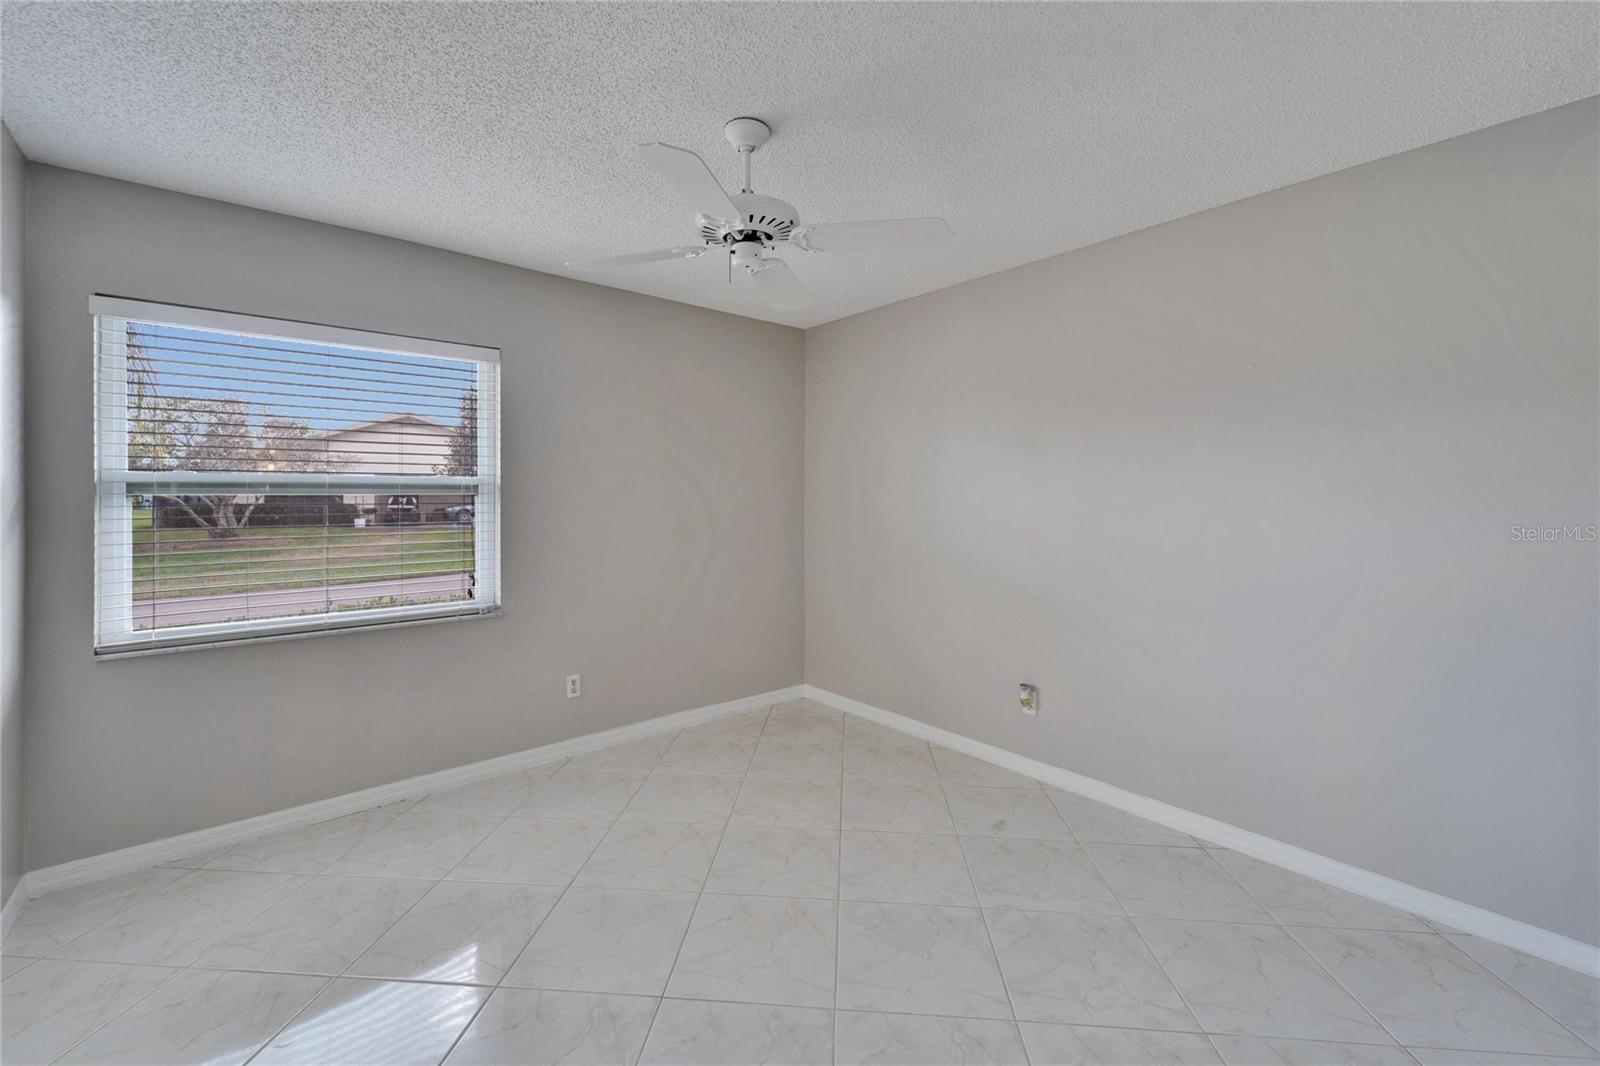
749 228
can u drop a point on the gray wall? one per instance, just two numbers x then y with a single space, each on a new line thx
12 171
1237 493
652 487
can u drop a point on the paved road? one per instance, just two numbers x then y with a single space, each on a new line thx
235 606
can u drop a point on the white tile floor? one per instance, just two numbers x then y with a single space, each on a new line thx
793 886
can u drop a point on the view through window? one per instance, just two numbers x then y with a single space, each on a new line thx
259 477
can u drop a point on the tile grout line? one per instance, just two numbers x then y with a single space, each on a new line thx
291 1020
922 1014
743 776
838 901
693 911
1134 925
295 1017
988 933
500 979
417 902
1514 989
1120 913
1122 908
1274 922
1346 989
180 970
1138 932
500 982
434 883
135 901
1304 950
557 816
176 971
1490 973
1578 1058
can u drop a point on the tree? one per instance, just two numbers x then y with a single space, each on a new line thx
150 415
178 432
461 460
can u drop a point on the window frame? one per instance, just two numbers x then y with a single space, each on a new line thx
113 634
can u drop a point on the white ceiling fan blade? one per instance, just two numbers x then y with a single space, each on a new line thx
687 251
881 233
694 181
780 287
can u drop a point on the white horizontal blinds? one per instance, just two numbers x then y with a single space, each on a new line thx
257 477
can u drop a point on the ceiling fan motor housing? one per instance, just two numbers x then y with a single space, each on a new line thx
766 218
747 255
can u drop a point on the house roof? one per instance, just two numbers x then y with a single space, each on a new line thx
404 418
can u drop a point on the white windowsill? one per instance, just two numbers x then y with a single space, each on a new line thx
132 651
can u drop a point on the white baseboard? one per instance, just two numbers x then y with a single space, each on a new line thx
1530 939
110 864
1541 943
13 906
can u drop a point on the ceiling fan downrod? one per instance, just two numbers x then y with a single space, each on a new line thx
747 135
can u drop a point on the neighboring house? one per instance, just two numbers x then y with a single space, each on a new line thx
399 444
402 444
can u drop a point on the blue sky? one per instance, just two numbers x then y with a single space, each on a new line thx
326 386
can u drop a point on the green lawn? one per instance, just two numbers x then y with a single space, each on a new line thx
171 563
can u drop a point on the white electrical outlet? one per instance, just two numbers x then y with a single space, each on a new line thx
574 686
1028 699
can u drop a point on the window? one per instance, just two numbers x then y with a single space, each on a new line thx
257 477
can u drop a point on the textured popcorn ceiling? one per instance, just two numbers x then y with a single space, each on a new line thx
506 130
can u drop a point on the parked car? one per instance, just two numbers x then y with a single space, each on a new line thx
400 510
460 513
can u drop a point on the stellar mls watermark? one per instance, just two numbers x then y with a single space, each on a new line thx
1551 534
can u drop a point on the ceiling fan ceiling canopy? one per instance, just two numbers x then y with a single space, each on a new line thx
747 226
